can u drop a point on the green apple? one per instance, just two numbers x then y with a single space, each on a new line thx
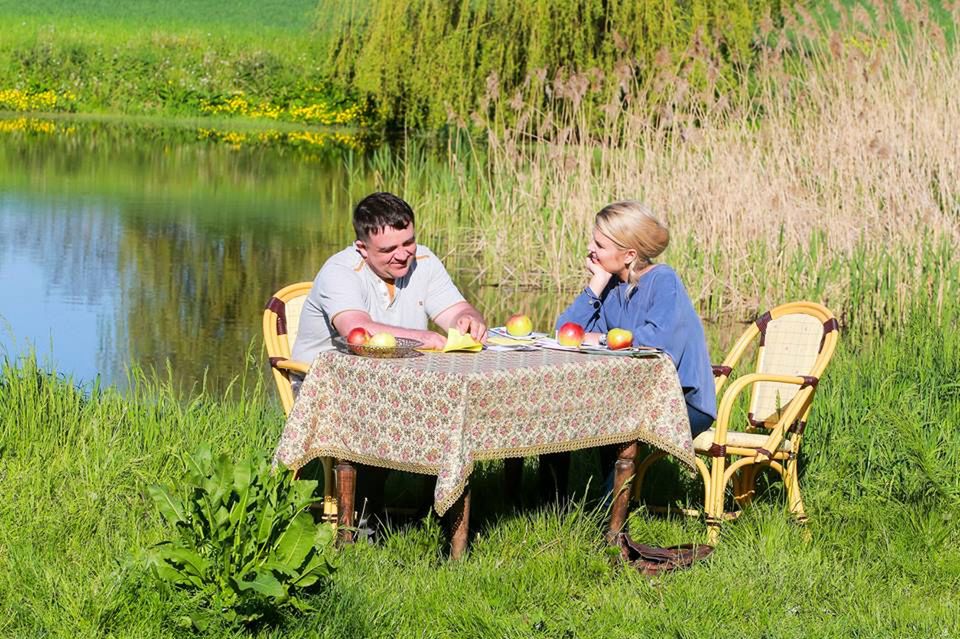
519 325
382 340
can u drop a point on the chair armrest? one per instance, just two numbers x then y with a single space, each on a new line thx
788 417
721 373
292 365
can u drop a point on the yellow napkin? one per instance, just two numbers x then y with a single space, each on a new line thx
457 341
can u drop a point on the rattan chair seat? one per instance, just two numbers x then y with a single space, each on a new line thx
703 442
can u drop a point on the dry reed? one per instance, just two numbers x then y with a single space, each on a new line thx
832 172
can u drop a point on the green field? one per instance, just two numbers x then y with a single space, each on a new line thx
881 472
261 19
243 60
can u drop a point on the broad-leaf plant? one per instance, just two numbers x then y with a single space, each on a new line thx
242 539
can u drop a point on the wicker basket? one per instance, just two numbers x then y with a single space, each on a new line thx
405 348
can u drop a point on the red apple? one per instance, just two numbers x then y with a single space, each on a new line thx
519 325
358 336
570 334
618 338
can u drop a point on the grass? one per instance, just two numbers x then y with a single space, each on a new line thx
289 17
175 59
881 472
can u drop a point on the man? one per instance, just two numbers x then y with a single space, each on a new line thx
384 282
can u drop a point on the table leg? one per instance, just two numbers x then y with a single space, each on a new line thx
513 481
554 477
623 471
458 525
346 487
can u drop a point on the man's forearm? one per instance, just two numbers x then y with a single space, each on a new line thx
449 317
349 320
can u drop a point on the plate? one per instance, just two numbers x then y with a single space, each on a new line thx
593 349
405 348
502 332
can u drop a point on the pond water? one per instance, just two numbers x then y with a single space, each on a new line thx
139 246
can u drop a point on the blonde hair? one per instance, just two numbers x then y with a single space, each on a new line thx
632 225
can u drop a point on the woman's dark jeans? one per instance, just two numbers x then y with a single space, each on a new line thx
699 421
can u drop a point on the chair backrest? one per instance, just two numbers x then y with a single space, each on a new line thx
281 321
796 339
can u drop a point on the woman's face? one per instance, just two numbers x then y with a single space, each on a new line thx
611 258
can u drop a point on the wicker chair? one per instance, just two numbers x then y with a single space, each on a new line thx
796 342
281 319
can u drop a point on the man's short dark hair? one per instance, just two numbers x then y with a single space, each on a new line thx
378 211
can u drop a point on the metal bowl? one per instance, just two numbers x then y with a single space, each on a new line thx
405 348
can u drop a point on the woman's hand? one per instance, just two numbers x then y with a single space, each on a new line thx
598 276
592 339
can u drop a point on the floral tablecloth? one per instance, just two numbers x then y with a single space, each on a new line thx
439 413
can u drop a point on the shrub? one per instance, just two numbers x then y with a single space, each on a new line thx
242 539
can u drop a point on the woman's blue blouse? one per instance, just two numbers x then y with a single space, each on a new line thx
659 313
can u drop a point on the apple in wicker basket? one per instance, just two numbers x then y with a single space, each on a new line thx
570 334
382 340
358 336
618 338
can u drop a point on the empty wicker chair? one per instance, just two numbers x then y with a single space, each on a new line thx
796 342
281 320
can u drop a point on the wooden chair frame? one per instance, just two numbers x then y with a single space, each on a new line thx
784 427
279 333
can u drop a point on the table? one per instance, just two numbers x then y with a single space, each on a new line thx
439 414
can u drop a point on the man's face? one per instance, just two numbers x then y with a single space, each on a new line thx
389 252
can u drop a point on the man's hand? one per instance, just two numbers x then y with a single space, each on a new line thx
431 340
471 323
465 318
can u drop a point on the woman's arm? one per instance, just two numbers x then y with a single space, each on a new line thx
585 311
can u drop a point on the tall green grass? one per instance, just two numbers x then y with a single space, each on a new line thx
880 476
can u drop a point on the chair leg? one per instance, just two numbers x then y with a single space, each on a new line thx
329 492
714 502
553 476
794 499
745 485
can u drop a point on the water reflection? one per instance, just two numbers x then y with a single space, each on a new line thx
120 252
58 278
126 246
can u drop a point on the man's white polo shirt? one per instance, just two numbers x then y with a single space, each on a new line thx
346 283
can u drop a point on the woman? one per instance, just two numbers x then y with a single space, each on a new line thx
628 290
